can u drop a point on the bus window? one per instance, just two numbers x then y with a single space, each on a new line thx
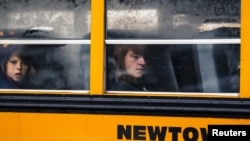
61 19
170 19
55 67
181 68
56 38
194 45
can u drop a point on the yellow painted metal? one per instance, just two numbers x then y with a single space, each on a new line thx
97 59
80 127
41 127
85 127
97 48
245 50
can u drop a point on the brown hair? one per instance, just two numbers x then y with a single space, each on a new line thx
20 50
120 52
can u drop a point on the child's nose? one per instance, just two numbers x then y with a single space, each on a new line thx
142 60
19 65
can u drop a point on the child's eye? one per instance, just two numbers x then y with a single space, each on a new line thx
24 63
135 56
13 62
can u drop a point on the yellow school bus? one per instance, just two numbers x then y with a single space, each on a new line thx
198 73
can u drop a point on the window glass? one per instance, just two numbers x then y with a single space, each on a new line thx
173 45
59 64
52 67
174 68
55 18
171 19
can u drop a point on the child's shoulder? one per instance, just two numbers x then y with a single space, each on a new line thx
5 84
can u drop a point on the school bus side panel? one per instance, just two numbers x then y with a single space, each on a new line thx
79 127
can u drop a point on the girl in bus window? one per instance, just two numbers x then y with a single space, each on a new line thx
131 66
16 67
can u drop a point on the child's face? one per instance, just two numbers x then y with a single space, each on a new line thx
16 68
134 64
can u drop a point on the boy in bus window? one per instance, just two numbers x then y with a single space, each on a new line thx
131 66
16 67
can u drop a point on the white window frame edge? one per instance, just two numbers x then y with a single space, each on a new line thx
44 42
175 41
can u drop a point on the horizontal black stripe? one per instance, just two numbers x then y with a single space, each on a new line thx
129 105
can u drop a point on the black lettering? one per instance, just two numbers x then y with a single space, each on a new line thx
139 133
203 134
157 132
175 131
122 131
194 133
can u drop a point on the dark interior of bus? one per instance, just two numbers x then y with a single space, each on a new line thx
58 66
190 67
176 67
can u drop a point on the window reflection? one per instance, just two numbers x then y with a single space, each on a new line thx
64 19
56 67
210 67
177 68
171 19
137 19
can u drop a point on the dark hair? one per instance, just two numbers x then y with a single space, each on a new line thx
120 52
21 51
